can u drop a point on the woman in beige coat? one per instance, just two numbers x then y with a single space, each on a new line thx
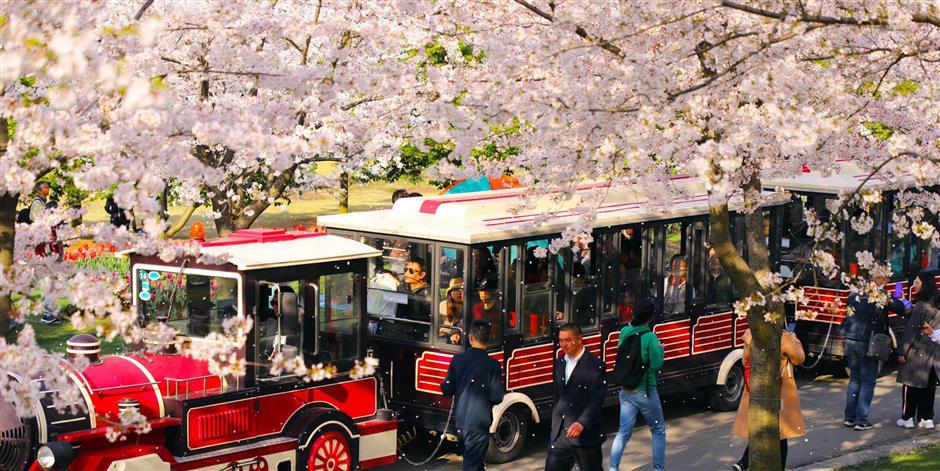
791 416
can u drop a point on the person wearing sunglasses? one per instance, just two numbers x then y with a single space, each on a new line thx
415 277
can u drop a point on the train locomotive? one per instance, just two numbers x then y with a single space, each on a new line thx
305 292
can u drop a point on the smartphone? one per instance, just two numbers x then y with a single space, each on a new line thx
791 326
899 290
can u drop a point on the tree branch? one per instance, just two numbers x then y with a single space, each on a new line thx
181 222
579 30
142 9
922 18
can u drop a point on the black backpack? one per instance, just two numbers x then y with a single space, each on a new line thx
630 370
22 216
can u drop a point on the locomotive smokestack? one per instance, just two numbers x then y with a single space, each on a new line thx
128 404
84 345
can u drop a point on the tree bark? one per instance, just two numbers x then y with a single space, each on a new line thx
344 193
181 222
7 237
764 406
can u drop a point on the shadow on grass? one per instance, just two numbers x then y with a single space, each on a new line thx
927 458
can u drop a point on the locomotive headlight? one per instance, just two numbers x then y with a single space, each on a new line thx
55 455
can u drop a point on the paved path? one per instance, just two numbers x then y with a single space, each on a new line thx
701 439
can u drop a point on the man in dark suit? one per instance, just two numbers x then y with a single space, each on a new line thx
577 431
474 378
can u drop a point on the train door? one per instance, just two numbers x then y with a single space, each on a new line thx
542 289
623 283
583 306
711 317
669 267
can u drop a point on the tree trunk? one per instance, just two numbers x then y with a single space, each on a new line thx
7 237
764 406
344 193
181 223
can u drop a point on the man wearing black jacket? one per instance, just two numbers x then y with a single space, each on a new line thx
475 381
577 431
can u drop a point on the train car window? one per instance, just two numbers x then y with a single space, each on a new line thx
487 289
718 287
608 262
584 282
870 241
398 299
561 284
899 252
194 305
450 313
629 268
676 271
697 267
537 308
278 316
337 319
797 246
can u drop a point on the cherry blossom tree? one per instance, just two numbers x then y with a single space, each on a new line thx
228 98
731 91
239 101
263 91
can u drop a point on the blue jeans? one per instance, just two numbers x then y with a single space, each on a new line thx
632 404
862 374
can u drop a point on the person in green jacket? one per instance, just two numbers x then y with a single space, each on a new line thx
643 399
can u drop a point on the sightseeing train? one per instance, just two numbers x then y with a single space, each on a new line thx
819 317
304 291
448 260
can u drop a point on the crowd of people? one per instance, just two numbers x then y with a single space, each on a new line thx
577 432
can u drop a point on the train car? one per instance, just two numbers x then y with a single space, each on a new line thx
820 317
305 292
448 260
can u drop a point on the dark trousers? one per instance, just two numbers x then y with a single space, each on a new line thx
562 456
919 401
474 449
744 461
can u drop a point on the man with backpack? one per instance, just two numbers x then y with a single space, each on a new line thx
639 359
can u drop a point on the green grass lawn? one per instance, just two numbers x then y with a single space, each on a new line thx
300 211
927 458
53 337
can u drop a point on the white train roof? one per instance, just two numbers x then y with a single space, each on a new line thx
470 218
254 249
847 177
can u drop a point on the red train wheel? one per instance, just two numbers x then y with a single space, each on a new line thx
330 452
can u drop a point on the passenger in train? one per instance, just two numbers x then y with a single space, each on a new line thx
376 304
483 264
415 284
719 285
488 307
415 277
451 310
674 300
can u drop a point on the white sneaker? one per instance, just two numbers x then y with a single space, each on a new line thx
925 423
909 423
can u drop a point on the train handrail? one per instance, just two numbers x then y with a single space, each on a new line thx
125 386
187 381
